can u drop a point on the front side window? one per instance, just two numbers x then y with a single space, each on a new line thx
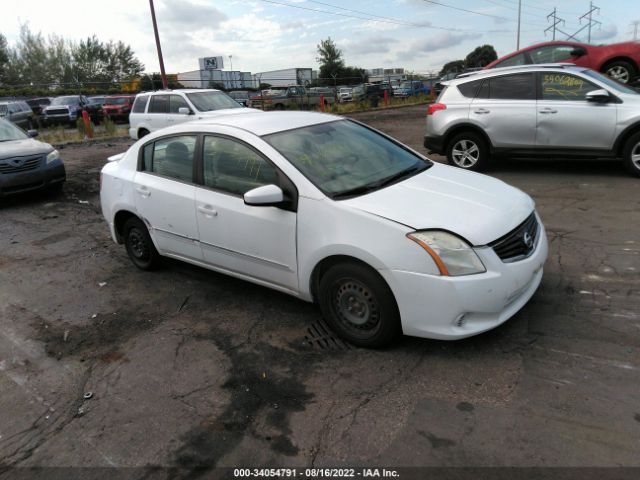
345 159
513 87
562 86
140 104
171 157
233 167
159 104
551 54
176 102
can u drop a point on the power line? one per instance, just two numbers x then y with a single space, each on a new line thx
465 10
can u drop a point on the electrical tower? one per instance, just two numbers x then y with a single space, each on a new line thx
556 21
592 9
635 29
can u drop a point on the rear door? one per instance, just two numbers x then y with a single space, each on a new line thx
158 112
505 108
567 120
165 194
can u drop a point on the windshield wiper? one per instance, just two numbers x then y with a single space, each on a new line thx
361 190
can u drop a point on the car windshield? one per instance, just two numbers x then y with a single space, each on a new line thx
610 82
9 132
116 101
208 101
346 159
405 85
65 101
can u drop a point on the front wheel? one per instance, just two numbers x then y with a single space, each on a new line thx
469 151
631 154
139 245
359 305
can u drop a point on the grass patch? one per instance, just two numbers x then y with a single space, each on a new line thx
59 134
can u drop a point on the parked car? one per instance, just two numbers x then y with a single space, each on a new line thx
117 107
19 113
620 61
296 95
64 109
535 110
345 94
371 92
25 163
329 210
240 96
154 110
411 88
37 104
97 100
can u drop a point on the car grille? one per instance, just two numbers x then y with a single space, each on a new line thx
57 111
19 164
519 242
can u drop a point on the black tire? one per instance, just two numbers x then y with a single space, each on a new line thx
621 71
139 245
469 151
29 124
631 154
359 305
278 106
143 132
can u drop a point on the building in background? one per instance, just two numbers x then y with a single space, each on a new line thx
285 77
392 76
212 75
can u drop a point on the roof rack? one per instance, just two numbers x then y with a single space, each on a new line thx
515 67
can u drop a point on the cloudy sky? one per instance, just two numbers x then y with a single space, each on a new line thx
260 35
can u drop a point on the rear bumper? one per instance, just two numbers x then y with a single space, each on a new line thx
435 144
43 177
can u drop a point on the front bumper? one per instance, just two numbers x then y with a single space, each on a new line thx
450 308
435 144
43 177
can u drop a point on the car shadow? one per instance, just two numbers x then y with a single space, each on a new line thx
559 166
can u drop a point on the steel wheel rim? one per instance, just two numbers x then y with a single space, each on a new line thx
620 74
356 307
465 153
635 155
138 244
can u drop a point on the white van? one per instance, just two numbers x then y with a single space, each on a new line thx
154 110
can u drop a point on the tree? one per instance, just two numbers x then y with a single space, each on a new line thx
4 57
481 56
330 59
454 66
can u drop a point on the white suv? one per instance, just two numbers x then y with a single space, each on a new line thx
154 110
549 110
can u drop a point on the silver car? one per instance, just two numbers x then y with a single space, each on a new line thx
536 110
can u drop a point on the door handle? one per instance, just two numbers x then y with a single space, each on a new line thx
548 110
143 191
481 111
207 210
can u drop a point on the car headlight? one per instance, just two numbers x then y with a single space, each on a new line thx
451 254
52 156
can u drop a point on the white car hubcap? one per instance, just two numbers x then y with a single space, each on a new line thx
620 74
635 156
465 153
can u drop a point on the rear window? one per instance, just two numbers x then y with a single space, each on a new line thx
470 89
140 105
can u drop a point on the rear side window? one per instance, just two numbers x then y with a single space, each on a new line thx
159 104
513 87
470 89
140 105
171 157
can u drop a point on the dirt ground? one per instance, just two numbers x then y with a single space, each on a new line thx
189 368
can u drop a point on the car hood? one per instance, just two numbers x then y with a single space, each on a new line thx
23 148
477 207
227 111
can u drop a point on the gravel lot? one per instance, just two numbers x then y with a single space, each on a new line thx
189 368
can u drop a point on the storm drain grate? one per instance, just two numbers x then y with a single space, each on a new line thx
319 335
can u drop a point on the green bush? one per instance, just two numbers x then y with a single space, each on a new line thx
110 127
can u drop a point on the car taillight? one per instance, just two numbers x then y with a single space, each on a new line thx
434 107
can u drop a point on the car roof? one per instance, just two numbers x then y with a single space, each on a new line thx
514 69
265 123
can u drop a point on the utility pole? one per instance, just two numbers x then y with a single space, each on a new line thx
233 83
592 9
556 21
163 75
519 16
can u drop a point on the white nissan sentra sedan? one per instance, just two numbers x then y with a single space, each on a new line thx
332 211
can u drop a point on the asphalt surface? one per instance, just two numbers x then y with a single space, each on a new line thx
189 368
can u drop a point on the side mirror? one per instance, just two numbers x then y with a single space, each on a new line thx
32 133
600 96
578 52
265 196
184 111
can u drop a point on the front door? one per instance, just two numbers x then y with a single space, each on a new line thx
567 120
165 195
259 242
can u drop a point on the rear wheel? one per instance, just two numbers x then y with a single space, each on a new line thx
359 305
621 71
468 150
139 245
631 154
143 132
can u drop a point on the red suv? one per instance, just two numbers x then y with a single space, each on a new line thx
620 60
117 107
